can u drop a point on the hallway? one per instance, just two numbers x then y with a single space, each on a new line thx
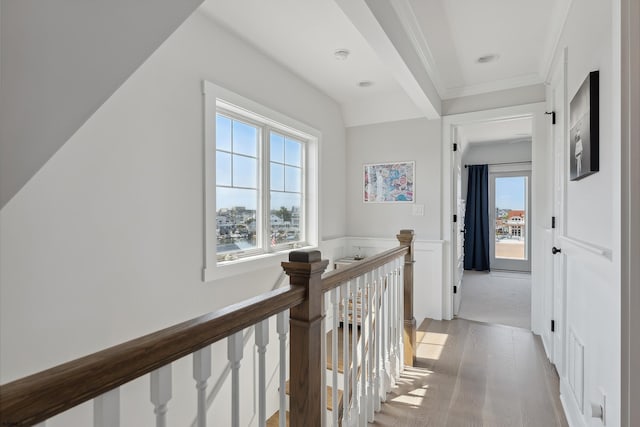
499 297
473 374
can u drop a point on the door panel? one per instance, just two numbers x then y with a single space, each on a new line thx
559 187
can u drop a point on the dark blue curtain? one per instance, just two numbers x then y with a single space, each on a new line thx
476 219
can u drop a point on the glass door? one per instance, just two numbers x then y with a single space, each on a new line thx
509 218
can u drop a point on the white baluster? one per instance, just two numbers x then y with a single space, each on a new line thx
401 314
384 333
262 340
373 346
235 348
282 325
371 354
354 351
323 362
334 356
106 409
393 326
378 352
364 336
345 350
201 374
161 393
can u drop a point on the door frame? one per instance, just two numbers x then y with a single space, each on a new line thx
627 19
539 144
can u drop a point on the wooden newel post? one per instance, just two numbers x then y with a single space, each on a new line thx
305 269
406 238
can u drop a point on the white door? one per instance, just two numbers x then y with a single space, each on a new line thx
457 231
555 307
559 187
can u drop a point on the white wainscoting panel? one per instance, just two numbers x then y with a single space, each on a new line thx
427 271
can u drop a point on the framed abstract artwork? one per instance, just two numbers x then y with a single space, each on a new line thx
584 150
389 182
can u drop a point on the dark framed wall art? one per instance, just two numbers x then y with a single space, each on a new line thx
584 130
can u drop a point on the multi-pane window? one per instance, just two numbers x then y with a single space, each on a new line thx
259 188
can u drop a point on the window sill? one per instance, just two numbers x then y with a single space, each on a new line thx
225 269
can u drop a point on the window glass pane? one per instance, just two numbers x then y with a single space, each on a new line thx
223 133
277 177
223 168
245 172
235 219
293 179
285 218
277 147
511 217
293 152
245 139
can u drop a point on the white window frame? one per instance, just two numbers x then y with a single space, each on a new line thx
218 98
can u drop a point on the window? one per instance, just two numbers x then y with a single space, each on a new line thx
241 202
261 192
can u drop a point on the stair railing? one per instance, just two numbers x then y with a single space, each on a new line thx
98 377
372 300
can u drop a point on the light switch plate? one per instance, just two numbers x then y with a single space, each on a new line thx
417 210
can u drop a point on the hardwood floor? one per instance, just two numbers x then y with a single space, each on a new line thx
472 374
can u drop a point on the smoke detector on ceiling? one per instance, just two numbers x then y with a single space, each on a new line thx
488 58
365 83
341 54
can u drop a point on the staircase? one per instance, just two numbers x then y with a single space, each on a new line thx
361 359
273 421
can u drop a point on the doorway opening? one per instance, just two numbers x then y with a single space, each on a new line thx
502 293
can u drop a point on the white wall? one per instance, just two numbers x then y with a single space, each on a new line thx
478 154
593 215
51 54
408 140
104 244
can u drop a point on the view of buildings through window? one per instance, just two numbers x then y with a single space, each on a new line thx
511 217
248 216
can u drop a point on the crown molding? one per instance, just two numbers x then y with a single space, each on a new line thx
411 26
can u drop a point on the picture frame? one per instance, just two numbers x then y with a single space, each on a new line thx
584 129
390 182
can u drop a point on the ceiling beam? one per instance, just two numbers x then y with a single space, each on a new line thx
380 26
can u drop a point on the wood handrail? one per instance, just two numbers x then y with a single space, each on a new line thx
40 396
334 278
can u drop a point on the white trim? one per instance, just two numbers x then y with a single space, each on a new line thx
493 86
590 248
214 96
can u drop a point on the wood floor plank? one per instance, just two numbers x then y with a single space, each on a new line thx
474 374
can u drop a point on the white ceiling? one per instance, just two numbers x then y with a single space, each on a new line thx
457 32
303 35
447 37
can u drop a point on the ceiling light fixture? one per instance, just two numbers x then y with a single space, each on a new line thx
365 83
341 54
487 58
